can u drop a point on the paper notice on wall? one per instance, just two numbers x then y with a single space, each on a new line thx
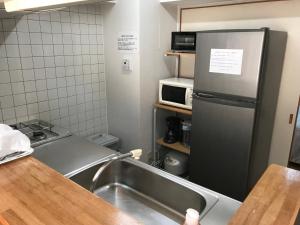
226 61
128 42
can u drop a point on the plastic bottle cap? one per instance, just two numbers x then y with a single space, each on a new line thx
192 217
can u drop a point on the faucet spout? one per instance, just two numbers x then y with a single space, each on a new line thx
136 154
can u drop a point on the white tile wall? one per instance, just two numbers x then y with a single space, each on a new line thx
52 68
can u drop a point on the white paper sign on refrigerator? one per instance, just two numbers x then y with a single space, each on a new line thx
226 61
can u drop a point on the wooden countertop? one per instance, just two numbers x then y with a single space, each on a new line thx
274 200
33 194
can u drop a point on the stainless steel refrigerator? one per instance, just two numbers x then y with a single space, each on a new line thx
236 86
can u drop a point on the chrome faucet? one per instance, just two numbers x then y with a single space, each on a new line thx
136 154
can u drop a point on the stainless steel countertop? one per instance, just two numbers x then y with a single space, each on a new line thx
221 212
71 155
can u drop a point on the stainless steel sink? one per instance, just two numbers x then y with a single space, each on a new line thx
150 195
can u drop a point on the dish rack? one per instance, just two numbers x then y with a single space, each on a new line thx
157 164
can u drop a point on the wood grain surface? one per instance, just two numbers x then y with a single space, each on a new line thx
33 194
275 199
173 109
176 146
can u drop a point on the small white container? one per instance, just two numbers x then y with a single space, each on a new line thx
192 217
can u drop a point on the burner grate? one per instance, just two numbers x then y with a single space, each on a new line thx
38 136
40 132
32 126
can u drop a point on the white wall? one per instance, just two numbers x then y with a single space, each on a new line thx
123 89
156 25
284 16
131 96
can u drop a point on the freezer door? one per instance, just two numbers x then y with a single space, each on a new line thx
229 62
221 146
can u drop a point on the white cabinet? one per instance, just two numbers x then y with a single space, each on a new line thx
21 5
195 3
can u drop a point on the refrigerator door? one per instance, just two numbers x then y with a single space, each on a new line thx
220 154
295 150
295 153
229 62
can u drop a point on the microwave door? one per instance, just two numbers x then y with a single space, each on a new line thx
173 94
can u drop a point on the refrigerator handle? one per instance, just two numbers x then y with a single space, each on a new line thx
223 101
203 95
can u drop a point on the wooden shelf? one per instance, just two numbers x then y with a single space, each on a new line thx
173 109
173 53
176 146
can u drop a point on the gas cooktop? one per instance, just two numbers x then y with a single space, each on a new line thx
40 132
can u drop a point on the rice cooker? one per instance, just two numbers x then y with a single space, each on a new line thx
176 163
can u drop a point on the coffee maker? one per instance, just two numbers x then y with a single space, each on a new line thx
173 133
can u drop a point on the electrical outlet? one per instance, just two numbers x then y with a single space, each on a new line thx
126 64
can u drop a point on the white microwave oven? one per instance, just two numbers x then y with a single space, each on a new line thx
176 92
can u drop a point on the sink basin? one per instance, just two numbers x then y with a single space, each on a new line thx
150 195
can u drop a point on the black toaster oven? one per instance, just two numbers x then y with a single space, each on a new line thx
183 41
